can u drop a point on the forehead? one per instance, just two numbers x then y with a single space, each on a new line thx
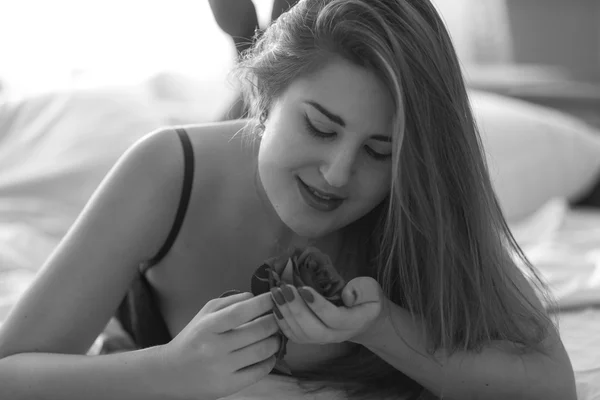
352 92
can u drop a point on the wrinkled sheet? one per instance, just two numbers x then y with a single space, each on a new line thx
564 245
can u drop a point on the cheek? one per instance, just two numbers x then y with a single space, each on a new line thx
273 156
380 192
281 145
375 187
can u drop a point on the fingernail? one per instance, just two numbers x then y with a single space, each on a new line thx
306 295
277 296
288 293
277 312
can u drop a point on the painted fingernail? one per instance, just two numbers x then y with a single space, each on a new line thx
306 295
277 296
277 312
288 293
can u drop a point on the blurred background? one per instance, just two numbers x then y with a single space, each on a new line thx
529 48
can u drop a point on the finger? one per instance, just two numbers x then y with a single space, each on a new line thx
279 311
303 321
247 376
327 312
285 328
251 332
240 313
222 302
362 289
255 353
336 318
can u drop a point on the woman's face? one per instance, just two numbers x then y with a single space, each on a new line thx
329 132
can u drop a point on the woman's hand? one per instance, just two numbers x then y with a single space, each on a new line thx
230 344
307 317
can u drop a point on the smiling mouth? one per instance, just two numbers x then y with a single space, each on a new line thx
316 199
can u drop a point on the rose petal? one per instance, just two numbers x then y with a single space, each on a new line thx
279 263
314 268
336 300
314 254
287 275
339 285
298 282
283 367
271 278
306 276
260 280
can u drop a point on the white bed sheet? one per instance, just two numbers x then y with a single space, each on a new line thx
564 245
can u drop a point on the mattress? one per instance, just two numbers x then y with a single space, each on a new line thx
564 245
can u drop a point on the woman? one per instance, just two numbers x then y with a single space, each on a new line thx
362 144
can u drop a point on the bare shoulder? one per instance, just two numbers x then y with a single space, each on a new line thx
224 161
155 166
220 145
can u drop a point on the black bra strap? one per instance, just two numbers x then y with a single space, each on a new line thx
186 191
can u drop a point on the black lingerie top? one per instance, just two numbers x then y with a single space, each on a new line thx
139 313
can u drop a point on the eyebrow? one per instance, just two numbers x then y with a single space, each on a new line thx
340 121
335 118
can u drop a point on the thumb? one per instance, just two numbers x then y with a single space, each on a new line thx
361 290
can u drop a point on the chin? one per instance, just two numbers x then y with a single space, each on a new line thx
307 230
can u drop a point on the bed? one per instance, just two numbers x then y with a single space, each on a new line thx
56 147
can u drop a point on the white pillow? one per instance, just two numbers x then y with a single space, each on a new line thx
185 99
534 153
55 149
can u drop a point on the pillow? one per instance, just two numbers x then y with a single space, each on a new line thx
55 149
534 153
186 99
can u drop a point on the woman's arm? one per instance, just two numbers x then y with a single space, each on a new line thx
497 372
85 278
130 375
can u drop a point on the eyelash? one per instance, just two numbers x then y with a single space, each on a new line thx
326 135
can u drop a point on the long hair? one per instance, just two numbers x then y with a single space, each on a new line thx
438 244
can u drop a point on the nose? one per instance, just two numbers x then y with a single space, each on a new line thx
338 168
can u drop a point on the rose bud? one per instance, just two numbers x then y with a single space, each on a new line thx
313 268
298 267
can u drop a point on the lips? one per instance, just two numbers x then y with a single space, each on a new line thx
317 199
325 195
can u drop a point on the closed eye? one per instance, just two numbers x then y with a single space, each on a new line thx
314 131
376 155
327 135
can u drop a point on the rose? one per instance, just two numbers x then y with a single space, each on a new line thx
315 269
301 267
298 267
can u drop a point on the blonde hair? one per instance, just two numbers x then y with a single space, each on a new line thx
438 245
